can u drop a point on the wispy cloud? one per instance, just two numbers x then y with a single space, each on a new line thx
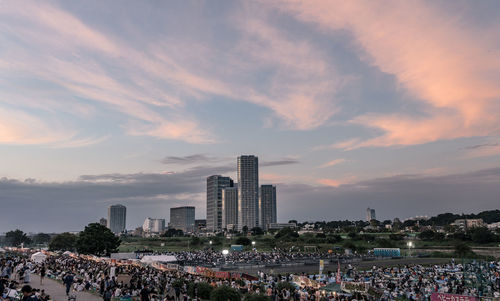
417 42
285 161
332 163
191 159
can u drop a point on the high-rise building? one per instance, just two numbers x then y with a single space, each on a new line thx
370 214
267 206
103 222
117 218
215 184
153 225
248 192
182 218
229 206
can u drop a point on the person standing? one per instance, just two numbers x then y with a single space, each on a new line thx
107 295
68 281
43 271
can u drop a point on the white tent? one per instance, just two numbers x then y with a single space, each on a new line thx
158 258
2 250
38 257
67 253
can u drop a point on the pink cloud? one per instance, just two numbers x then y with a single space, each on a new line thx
19 128
333 163
452 67
336 182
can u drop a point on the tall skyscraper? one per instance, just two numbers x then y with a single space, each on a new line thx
117 218
215 184
267 206
182 218
248 192
370 214
229 206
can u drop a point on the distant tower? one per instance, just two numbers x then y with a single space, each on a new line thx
215 184
117 218
267 206
248 192
230 207
103 222
370 214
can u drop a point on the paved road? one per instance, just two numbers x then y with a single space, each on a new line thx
57 291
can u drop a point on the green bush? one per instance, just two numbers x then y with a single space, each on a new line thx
244 241
225 293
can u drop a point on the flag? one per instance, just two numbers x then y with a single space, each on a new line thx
338 279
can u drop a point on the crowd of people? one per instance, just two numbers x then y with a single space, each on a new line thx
147 283
15 278
277 256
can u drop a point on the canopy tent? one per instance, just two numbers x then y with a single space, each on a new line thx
67 253
38 257
2 250
158 258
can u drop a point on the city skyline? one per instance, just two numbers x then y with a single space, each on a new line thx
349 105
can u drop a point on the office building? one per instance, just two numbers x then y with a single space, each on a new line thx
215 184
103 222
229 206
117 218
153 225
248 192
182 218
370 214
267 206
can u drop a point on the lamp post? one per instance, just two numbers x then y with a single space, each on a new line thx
410 245
253 245
224 253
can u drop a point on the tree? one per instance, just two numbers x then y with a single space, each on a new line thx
462 250
427 235
244 241
16 238
225 293
332 239
482 235
244 230
98 240
257 231
63 242
397 237
286 233
173 233
41 238
195 240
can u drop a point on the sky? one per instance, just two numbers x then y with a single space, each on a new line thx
392 105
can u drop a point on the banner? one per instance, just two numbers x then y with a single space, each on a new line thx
451 297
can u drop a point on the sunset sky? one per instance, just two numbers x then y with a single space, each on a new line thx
393 105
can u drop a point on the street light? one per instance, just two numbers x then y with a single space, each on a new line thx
410 245
210 242
225 252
